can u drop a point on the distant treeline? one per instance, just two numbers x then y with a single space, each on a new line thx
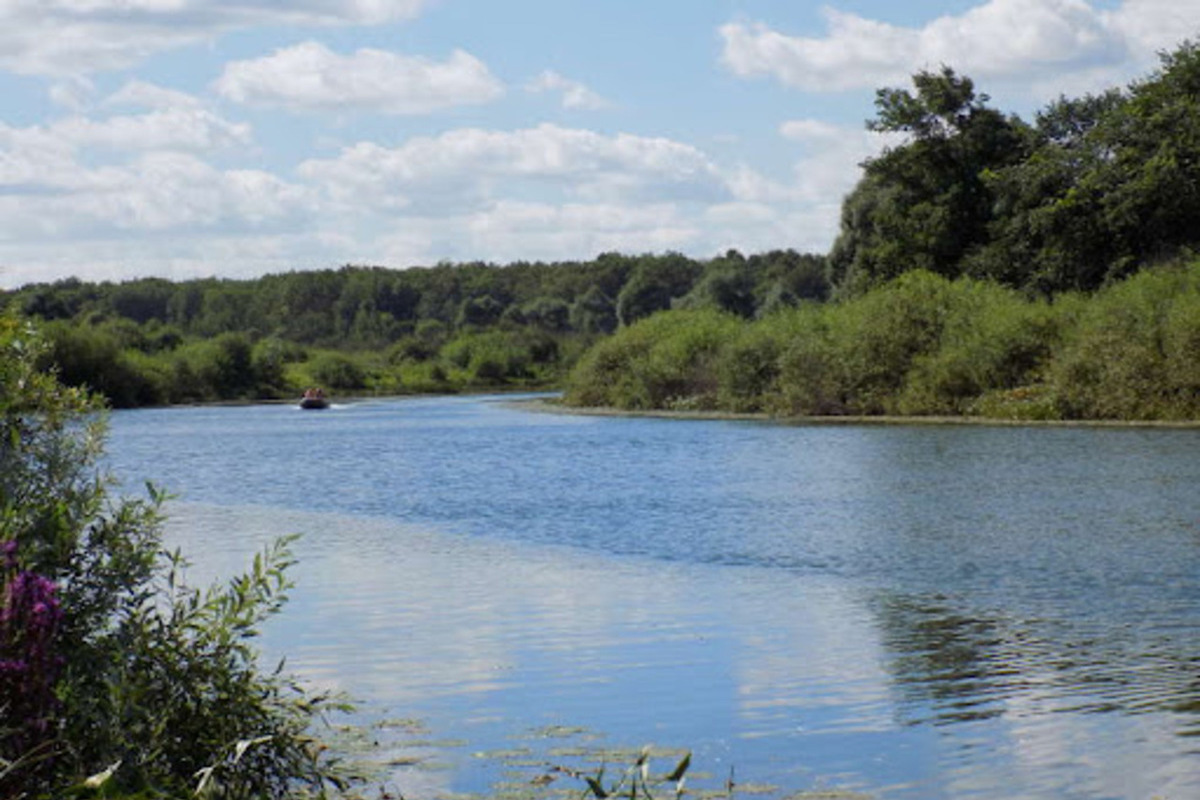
374 330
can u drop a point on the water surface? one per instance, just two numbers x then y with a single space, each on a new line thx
909 612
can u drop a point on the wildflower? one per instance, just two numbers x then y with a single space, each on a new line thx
30 615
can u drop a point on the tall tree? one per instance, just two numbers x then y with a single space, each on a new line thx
924 204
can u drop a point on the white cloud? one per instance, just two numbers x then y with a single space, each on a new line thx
140 94
1154 25
857 53
168 129
575 95
520 230
1000 39
48 155
67 37
157 192
473 166
310 77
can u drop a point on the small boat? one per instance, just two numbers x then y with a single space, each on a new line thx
314 399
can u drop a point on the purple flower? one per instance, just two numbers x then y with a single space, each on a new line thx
30 614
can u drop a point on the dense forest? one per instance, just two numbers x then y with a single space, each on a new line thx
373 330
988 265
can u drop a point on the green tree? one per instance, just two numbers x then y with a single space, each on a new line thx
654 283
925 204
594 312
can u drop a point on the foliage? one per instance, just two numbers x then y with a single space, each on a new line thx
1133 351
633 782
925 205
660 362
155 684
1098 188
921 345
152 341
337 371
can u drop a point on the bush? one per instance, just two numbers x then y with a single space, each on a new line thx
118 670
93 358
992 339
494 357
337 371
1132 351
666 360
812 376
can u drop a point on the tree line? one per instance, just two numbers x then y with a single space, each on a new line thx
925 345
370 329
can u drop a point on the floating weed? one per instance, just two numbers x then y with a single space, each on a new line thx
572 752
409 726
504 755
435 744
559 732
758 788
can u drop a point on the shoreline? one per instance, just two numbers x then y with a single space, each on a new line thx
550 407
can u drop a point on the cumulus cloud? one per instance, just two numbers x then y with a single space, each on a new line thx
310 77
999 39
47 155
68 37
142 94
156 192
575 95
473 165
522 230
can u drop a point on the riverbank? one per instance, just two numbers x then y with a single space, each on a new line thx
555 406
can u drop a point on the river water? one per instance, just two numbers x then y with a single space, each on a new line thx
897 611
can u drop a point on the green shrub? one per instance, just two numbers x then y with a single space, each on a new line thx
94 358
666 360
337 371
749 365
812 379
492 357
155 687
992 339
1130 353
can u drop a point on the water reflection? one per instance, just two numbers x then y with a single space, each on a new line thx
960 665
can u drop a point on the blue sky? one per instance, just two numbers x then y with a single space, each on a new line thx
188 138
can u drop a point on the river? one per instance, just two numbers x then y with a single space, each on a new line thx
895 611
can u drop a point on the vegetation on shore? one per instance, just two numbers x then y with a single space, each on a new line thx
920 345
362 330
117 678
